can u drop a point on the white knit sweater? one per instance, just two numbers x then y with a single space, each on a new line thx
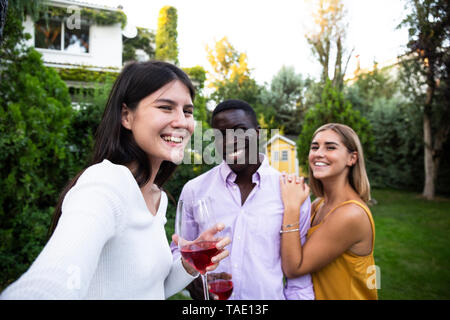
107 245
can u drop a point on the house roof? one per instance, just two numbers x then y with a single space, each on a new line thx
81 4
292 137
279 136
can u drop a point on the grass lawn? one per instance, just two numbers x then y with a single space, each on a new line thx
412 245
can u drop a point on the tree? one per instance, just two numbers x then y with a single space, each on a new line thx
396 161
398 157
166 35
198 77
231 78
328 39
3 9
287 97
227 63
428 66
370 86
332 108
144 40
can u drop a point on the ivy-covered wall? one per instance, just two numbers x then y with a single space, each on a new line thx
83 74
97 16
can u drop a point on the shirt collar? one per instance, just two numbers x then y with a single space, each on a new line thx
229 176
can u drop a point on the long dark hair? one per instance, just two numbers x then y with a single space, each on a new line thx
115 143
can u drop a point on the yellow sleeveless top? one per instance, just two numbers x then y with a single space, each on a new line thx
349 276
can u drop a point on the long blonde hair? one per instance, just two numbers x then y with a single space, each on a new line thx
357 175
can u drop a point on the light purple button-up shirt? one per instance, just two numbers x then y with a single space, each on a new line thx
254 228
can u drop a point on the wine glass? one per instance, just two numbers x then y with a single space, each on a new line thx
197 242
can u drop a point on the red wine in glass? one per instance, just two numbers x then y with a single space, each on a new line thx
221 288
199 254
196 227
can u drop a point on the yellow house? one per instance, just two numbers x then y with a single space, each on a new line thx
282 154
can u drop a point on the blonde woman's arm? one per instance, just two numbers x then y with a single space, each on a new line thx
339 232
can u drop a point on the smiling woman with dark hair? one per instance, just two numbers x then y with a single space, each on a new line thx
108 239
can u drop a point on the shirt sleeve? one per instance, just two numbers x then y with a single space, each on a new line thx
64 268
301 288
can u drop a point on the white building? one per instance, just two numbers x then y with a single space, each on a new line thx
72 37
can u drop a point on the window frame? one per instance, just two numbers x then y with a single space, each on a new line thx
283 153
276 155
62 40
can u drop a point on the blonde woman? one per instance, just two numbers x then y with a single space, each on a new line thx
338 251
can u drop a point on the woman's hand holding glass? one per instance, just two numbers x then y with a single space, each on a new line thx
208 236
201 251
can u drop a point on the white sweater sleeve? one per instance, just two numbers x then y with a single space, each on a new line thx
64 268
177 279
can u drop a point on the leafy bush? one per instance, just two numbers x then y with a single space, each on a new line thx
84 122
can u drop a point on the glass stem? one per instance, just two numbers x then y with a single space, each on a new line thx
205 286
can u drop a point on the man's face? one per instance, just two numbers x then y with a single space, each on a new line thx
239 138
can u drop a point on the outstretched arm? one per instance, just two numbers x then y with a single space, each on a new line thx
64 268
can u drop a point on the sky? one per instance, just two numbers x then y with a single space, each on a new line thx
272 33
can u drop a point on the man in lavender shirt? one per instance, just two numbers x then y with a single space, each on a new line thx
246 197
